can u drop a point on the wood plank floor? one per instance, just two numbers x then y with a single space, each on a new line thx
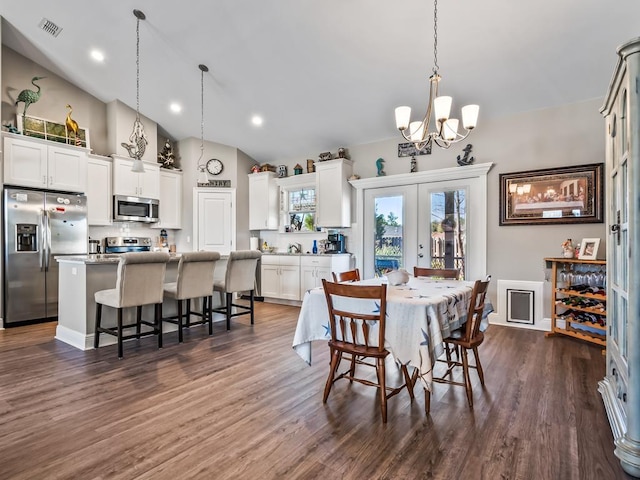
243 405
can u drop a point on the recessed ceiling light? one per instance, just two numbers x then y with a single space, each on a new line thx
256 120
175 107
97 55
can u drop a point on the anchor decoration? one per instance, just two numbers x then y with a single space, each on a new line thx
466 160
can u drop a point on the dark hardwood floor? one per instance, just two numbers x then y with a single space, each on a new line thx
243 405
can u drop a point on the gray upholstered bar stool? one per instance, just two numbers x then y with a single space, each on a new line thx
194 280
140 282
239 277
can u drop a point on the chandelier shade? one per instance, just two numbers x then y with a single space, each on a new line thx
445 130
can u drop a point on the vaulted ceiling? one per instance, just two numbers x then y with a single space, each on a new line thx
324 74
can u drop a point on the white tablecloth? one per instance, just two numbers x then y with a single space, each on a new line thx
419 315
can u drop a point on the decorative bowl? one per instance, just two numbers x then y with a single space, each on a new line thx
398 277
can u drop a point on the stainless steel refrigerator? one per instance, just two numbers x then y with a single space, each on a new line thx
38 226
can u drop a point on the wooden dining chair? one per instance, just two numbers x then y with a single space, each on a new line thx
468 337
348 276
353 334
448 273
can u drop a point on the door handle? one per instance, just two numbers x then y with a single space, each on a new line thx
48 240
615 228
42 240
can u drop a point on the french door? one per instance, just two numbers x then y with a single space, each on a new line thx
434 224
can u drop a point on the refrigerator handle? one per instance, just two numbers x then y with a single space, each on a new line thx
47 239
41 241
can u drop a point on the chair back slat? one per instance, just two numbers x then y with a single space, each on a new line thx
348 276
350 326
476 308
448 273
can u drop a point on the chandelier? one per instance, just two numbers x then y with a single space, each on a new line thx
138 138
203 178
446 128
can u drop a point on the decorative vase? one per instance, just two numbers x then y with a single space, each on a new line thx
568 253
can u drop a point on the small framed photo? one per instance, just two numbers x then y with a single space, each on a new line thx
589 249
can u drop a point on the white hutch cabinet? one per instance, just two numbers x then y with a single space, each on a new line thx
620 388
333 193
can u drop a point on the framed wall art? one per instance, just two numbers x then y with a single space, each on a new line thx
50 130
589 249
554 195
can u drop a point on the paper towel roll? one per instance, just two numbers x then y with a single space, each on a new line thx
254 242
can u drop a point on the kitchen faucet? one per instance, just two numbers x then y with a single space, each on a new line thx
295 248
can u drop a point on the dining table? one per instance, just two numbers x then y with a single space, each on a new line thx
420 314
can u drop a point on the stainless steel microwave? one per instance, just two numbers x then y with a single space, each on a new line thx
135 209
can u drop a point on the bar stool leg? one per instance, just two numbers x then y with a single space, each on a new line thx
229 298
208 311
158 311
138 321
180 319
96 335
251 304
120 354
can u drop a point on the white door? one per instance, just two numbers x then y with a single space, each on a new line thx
405 226
390 229
214 220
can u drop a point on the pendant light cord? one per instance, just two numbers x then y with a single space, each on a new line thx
435 37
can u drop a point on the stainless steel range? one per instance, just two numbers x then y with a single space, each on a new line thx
127 244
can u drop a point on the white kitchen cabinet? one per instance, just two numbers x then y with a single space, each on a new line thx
170 199
313 268
214 219
99 190
41 164
263 201
333 193
125 182
280 276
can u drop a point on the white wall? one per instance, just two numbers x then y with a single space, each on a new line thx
88 111
568 135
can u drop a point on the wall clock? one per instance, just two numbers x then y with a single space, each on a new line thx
214 166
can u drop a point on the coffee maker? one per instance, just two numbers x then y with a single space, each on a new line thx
336 243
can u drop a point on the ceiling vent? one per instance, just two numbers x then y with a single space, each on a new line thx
49 27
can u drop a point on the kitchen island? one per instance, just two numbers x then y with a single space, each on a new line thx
81 276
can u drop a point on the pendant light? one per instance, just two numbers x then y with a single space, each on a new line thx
203 178
446 128
138 139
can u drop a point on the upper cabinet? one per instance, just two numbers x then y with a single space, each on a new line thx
333 193
263 201
134 184
99 190
40 164
170 199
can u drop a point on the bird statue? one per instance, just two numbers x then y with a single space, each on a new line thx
380 166
29 96
466 160
72 125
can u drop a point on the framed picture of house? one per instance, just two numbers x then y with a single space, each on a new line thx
554 195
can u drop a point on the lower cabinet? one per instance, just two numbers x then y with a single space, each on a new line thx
288 277
314 268
280 277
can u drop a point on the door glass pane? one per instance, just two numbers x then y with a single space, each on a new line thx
388 238
449 230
